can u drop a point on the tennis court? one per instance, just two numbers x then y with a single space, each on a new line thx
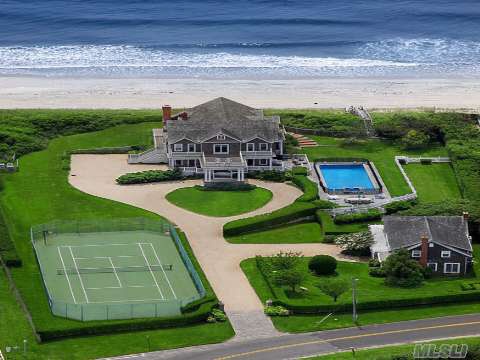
140 270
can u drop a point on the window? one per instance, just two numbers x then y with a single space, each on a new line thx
220 149
263 162
249 162
451 268
430 244
446 254
416 253
432 266
221 137
178 163
250 147
263 146
177 147
191 148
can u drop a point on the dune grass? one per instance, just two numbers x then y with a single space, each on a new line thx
219 203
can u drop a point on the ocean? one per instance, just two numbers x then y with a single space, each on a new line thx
240 39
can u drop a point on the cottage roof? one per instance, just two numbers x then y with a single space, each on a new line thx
405 231
223 115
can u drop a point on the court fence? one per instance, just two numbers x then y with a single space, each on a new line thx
89 311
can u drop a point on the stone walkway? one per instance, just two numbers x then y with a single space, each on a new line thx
96 174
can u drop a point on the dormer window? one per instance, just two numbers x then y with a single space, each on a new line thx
177 147
445 254
221 137
250 147
191 148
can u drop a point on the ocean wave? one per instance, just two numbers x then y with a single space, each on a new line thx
79 56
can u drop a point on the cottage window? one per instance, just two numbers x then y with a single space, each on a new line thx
263 162
263 146
250 147
178 147
220 149
432 266
451 268
221 137
430 244
191 148
416 253
446 254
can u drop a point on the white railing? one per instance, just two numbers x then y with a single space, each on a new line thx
257 153
437 159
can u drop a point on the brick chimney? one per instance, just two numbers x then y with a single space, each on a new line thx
424 249
167 113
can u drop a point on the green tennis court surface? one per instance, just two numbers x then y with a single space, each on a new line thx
115 274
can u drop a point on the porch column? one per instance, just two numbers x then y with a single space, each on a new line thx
243 175
270 164
239 175
205 175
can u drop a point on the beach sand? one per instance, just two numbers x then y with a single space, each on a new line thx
43 92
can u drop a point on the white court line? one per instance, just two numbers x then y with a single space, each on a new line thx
151 272
79 276
115 272
79 246
163 270
66 274
104 257
125 301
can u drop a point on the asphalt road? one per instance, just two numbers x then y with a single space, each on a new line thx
294 346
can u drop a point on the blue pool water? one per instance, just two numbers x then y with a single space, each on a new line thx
345 176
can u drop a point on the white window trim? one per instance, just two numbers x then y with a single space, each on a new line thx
431 263
444 253
430 244
221 137
451 272
188 147
260 146
253 145
416 253
221 152
176 147
263 162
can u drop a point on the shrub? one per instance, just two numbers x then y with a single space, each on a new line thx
355 244
227 187
8 251
217 315
300 170
324 204
401 270
415 140
150 176
373 263
397 206
376 272
322 265
269 175
290 277
370 215
294 212
309 188
276 311
286 260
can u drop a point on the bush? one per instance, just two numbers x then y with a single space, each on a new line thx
8 252
356 244
217 315
309 188
324 204
415 140
401 270
227 187
289 277
294 212
276 311
109 150
373 263
300 170
322 265
333 288
370 215
397 206
286 260
150 176
376 272
269 175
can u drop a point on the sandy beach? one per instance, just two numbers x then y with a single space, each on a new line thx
44 92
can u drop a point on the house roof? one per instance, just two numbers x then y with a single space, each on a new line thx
223 115
405 231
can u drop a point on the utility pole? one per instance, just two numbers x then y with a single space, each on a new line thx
354 300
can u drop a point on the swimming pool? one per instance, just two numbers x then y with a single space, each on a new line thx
346 177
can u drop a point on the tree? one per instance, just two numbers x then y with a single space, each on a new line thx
322 264
290 277
356 243
334 288
401 270
286 260
415 139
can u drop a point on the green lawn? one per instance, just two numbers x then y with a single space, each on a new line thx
380 152
390 352
330 228
310 232
219 203
435 182
39 193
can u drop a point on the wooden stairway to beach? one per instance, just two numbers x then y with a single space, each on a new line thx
304 141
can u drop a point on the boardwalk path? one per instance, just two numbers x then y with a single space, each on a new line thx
96 174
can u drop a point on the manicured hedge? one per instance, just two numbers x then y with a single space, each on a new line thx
332 229
150 176
397 206
109 150
296 211
7 248
309 188
380 304
372 214
269 175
